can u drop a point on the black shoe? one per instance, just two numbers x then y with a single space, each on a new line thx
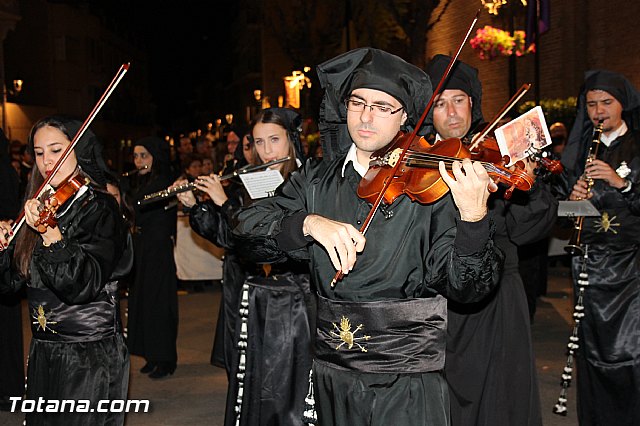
148 367
162 371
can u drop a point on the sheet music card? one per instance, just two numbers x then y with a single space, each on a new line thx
577 208
261 184
523 135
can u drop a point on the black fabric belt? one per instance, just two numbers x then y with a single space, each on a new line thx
53 320
391 336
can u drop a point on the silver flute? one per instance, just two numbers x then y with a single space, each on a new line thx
170 192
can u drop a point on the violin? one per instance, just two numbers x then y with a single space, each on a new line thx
418 176
51 202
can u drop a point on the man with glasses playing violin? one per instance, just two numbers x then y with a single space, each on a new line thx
380 335
608 358
490 366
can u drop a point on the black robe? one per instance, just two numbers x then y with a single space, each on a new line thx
278 354
11 352
77 351
213 223
412 251
490 365
608 360
152 328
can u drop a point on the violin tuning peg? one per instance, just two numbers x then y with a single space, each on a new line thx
509 192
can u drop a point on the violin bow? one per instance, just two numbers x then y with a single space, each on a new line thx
365 226
489 127
67 152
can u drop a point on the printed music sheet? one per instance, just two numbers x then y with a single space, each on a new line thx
261 184
523 136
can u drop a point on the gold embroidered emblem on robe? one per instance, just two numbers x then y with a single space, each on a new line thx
347 336
41 319
606 224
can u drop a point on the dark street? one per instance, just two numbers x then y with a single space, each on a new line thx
195 393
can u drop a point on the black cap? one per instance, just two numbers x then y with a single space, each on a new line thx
375 69
372 69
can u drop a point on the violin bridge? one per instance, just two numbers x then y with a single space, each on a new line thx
391 158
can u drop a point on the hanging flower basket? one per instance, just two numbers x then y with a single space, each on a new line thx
492 42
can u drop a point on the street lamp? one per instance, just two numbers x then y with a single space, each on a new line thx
293 84
17 88
493 5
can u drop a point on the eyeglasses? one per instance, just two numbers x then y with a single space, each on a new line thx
381 111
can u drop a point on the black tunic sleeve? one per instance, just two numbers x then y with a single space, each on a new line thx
10 280
533 218
436 256
77 268
270 222
213 222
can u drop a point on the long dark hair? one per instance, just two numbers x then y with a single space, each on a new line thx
27 238
279 117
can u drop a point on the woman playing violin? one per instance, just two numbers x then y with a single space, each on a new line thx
70 271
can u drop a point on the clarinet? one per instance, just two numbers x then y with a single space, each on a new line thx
573 247
576 248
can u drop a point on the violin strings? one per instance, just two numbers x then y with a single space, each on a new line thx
432 160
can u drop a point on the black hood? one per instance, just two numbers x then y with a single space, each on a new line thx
372 69
463 77
574 155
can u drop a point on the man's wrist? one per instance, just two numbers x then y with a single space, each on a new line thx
305 225
473 216
47 242
626 187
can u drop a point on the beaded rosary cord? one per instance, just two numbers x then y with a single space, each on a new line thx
578 314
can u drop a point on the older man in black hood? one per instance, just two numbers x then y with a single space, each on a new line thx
458 108
608 360
490 364
381 330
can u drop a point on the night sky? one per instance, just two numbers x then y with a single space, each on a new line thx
187 42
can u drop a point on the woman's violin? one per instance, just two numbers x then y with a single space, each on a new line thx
51 202
419 178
